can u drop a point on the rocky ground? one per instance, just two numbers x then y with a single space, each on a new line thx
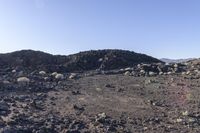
151 98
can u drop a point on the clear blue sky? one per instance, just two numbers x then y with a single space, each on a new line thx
160 28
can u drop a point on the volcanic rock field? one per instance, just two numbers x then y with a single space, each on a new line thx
99 91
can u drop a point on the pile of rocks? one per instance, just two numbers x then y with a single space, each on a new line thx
154 69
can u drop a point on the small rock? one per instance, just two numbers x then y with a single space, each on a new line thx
73 76
14 71
80 108
54 74
142 71
185 113
109 86
128 69
188 73
59 76
23 80
175 65
100 60
160 73
122 69
42 73
6 82
145 128
102 115
179 120
192 120
152 73
98 89
183 73
46 78
169 73
127 73
76 92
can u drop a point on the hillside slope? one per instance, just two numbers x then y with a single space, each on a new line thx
88 60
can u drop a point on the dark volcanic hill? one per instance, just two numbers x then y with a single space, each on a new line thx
88 60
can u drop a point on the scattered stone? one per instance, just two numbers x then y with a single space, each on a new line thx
192 120
127 73
169 73
73 76
54 74
76 92
183 73
142 71
79 108
109 86
42 73
175 65
14 71
152 74
100 60
23 80
59 76
185 113
145 128
101 117
188 73
128 69
161 73
46 78
6 82
179 120
98 89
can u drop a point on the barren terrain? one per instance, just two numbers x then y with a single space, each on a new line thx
151 98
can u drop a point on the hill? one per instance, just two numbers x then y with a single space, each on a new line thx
88 60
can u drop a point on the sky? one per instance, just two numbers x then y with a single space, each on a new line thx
160 28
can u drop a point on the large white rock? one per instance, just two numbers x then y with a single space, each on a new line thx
152 73
54 74
127 73
188 73
23 80
169 73
6 82
160 73
42 73
14 71
175 65
72 76
59 76
128 69
142 71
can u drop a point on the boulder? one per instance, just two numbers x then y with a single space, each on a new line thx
59 76
127 73
72 76
54 74
152 73
42 73
23 80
